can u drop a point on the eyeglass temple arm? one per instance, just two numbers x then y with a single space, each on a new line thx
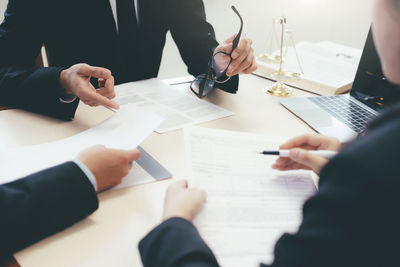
237 38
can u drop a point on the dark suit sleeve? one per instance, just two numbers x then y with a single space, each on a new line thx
195 38
21 84
42 204
175 243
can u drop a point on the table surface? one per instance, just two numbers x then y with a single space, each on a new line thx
137 208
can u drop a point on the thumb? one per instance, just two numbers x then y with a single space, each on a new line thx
224 48
306 158
133 154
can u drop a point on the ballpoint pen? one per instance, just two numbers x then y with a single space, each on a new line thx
285 153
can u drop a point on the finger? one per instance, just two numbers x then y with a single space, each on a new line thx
96 72
99 99
109 86
290 165
253 67
108 89
133 155
239 55
89 102
245 63
313 140
282 161
241 51
305 158
224 48
200 194
105 93
101 82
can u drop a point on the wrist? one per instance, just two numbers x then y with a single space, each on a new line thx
64 84
166 217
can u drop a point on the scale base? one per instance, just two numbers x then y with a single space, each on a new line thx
279 89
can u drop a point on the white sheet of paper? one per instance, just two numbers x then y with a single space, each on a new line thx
249 205
178 108
126 129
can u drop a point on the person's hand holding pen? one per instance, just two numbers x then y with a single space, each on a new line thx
300 158
76 81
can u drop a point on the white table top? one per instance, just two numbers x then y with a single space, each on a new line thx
138 207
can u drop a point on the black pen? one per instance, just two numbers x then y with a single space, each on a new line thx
285 153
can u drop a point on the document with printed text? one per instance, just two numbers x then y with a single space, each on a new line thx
126 129
249 205
177 108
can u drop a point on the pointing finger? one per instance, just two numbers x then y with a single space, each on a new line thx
100 100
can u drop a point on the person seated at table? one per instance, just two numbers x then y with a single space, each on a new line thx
51 200
118 40
351 221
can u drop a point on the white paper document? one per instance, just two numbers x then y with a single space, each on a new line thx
126 129
176 107
249 205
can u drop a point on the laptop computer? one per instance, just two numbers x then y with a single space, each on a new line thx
346 116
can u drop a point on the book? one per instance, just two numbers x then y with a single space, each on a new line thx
328 68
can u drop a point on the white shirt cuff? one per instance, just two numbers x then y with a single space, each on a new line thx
67 99
87 172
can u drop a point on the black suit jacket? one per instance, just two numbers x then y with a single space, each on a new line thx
353 220
42 204
84 31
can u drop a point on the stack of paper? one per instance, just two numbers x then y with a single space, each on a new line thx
249 205
177 108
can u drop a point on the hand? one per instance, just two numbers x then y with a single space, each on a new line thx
109 166
76 80
299 158
183 202
243 61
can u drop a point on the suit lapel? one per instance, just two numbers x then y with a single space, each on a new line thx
109 16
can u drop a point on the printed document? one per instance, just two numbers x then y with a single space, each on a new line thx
177 108
126 129
249 205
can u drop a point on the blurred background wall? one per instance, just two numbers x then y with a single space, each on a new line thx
343 21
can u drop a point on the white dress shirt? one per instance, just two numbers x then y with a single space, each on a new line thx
113 4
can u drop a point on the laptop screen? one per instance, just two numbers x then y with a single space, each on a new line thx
370 85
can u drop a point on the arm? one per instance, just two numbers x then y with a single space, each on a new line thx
42 204
195 38
351 221
21 84
177 243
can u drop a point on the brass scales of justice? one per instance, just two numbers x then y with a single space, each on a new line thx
280 88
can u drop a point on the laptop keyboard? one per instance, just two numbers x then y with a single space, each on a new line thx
345 110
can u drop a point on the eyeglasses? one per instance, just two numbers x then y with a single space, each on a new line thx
217 67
